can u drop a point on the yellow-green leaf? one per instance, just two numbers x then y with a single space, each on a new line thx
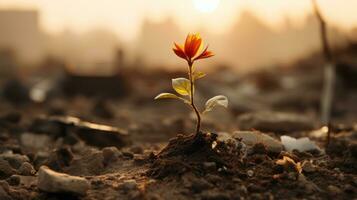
198 75
166 96
219 100
182 86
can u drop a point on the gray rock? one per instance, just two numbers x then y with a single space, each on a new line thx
5 169
15 160
279 122
91 133
40 159
250 138
333 190
110 154
27 169
60 158
26 181
14 180
54 182
35 141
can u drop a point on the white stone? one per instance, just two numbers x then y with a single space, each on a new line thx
301 144
54 182
251 138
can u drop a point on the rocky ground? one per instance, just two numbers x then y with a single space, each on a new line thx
61 149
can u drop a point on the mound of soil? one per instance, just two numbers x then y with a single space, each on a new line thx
192 153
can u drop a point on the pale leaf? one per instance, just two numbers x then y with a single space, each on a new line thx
219 100
170 96
166 96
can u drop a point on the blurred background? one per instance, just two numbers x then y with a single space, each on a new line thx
245 34
56 54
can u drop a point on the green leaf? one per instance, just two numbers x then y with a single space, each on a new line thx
219 100
182 86
170 96
198 75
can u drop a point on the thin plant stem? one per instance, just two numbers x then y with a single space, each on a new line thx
198 115
329 75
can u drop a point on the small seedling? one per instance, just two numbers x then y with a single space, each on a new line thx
185 88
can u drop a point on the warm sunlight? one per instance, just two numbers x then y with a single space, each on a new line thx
206 5
266 96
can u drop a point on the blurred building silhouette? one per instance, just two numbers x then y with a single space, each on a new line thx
20 32
156 40
249 44
90 52
7 63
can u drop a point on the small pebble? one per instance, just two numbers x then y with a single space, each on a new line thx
137 149
54 182
129 184
210 166
26 169
14 180
139 159
5 169
308 167
243 189
128 154
348 188
254 188
15 160
213 178
334 190
198 185
110 154
250 173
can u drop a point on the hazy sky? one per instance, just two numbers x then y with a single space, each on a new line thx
126 16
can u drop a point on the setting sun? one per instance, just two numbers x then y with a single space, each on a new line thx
206 5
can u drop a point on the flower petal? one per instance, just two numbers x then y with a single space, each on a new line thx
196 44
188 43
205 54
192 44
179 51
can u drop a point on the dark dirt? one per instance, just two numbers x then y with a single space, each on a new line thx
151 154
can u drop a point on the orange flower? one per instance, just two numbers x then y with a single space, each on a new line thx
192 45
